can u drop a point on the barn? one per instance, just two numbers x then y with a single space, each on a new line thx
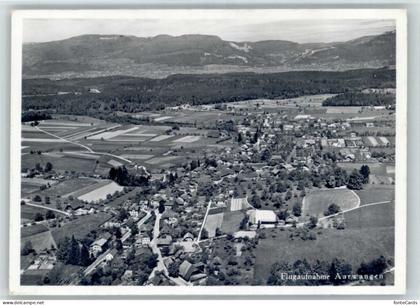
262 218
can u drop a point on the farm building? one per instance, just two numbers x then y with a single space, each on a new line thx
191 272
264 218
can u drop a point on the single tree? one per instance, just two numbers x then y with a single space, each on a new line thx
39 217
49 215
27 248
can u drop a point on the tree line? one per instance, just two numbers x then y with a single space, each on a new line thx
360 99
129 94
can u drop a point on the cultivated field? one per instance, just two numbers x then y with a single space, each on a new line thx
101 192
317 202
66 188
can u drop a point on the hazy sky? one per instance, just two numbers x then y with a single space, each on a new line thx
39 30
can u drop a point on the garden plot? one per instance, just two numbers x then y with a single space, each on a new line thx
90 186
162 160
80 134
114 163
162 118
141 134
82 155
372 141
43 140
101 193
317 202
111 134
161 138
63 123
384 140
337 109
137 157
187 139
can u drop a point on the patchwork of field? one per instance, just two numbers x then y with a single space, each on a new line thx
228 222
106 135
107 139
376 141
29 186
67 187
317 202
187 139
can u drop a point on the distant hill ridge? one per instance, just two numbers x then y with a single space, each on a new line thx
163 55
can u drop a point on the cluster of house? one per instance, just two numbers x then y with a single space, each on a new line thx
45 260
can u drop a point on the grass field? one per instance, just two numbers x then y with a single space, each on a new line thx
353 245
80 227
25 261
87 188
28 212
337 109
60 163
33 277
66 187
32 230
101 192
317 202
213 222
381 215
376 193
232 221
30 185
40 241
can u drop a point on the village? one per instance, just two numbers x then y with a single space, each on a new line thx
206 196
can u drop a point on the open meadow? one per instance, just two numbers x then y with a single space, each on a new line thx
318 201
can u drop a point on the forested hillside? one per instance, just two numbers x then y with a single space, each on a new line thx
130 94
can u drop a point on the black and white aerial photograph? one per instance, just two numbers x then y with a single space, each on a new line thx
212 148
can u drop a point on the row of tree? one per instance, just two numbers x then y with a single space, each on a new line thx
72 251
